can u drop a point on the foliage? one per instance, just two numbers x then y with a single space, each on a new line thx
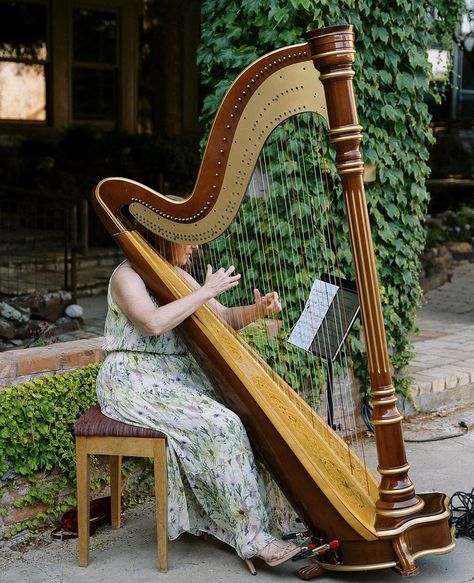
451 226
447 27
287 364
37 442
392 79
36 438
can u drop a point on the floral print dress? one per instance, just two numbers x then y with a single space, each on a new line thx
214 485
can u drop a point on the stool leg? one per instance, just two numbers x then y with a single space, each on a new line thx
83 505
116 489
161 502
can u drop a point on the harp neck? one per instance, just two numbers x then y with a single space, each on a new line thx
274 88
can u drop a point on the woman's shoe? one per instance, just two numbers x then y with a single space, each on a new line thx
277 552
250 566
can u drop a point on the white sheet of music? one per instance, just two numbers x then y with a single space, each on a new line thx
316 308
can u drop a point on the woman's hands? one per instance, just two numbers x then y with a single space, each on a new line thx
266 305
220 281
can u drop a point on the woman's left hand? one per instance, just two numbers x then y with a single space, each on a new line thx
268 304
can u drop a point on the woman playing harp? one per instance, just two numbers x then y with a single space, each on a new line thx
150 379
379 521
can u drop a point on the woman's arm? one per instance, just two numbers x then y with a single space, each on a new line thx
130 294
240 316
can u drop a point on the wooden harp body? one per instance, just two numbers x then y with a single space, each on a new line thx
380 522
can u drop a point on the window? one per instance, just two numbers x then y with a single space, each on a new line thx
68 61
94 65
23 61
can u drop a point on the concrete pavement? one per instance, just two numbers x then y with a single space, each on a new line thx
443 367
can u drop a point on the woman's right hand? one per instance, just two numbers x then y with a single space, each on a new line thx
220 281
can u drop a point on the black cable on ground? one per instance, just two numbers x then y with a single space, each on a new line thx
462 508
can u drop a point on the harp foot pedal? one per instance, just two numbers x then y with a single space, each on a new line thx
310 572
314 550
293 535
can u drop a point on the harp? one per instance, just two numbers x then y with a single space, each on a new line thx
380 522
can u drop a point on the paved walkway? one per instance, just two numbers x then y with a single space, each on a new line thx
444 349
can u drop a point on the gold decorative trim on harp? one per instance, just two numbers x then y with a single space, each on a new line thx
333 491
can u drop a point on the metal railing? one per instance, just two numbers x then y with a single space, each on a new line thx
41 236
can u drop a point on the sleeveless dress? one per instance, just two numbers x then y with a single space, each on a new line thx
214 485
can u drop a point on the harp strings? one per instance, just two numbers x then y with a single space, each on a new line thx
347 396
284 189
283 239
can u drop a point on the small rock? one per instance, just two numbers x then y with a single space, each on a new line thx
74 311
44 305
7 329
11 313
459 247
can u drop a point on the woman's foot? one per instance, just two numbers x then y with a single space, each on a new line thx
277 552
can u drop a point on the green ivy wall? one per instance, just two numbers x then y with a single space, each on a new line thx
392 79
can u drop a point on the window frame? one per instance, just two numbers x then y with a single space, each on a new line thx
59 64
47 68
82 65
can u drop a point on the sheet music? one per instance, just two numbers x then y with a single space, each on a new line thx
314 312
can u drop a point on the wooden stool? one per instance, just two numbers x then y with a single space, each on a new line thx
98 434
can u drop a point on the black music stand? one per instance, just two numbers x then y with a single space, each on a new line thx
333 331
328 326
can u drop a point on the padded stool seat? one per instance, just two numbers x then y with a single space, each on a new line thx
97 434
95 423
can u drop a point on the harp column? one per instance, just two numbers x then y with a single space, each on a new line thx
333 53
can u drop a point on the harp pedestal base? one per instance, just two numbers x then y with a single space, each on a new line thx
427 532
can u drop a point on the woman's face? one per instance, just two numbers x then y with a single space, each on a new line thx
180 254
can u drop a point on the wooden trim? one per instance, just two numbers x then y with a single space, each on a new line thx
60 83
128 68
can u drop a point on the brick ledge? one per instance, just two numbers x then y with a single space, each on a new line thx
18 366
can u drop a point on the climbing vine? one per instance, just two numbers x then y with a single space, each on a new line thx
391 82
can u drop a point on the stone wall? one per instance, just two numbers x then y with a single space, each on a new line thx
36 318
439 262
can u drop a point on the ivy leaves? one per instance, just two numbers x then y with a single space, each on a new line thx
392 78
36 420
